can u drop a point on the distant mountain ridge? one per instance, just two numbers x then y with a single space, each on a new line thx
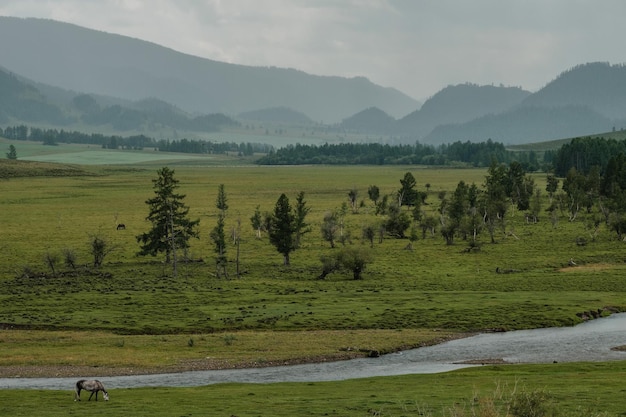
587 99
526 124
22 102
584 100
458 104
371 120
90 61
597 85
60 74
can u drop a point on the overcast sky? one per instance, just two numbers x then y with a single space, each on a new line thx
416 46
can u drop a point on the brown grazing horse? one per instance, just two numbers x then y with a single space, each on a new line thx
94 386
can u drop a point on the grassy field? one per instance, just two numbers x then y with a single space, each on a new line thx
566 390
136 308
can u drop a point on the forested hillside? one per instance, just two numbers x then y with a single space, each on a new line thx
599 86
146 88
525 125
21 101
459 104
95 62
24 102
584 100
372 120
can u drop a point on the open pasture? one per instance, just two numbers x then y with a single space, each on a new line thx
433 286
564 390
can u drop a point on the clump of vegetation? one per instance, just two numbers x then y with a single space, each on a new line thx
351 258
229 339
524 403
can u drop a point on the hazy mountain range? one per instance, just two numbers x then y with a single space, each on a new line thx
95 62
58 74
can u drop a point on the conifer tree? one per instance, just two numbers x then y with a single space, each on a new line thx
171 226
282 230
218 236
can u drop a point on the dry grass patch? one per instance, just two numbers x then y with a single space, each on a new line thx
592 268
57 353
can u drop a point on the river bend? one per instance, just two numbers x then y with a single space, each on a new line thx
589 341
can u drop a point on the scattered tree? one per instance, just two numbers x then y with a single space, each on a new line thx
329 265
397 221
351 258
353 195
12 154
171 226
552 185
374 194
69 257
493 204
330 227
283 231
258 223
52 259
300 212
369 233
382 205
354 259
99 249
217 234
407 194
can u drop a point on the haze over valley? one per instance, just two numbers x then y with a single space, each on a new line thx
56 74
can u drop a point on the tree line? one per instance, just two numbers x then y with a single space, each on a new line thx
585 153
135 142
468 153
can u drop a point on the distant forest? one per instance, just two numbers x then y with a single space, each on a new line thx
585 154
582 154
138 142
467 153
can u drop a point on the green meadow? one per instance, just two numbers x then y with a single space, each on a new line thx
135 313
564 389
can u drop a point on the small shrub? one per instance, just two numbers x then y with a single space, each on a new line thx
530 404
503 404
229 339
52 259
27 272
69 258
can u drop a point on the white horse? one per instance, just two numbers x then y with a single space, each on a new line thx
94 386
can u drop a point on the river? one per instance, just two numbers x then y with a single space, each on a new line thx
589 341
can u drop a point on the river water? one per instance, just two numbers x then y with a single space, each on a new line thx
589 341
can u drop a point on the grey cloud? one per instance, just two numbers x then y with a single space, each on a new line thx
417 46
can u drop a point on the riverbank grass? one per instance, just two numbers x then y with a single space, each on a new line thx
584 389
67 353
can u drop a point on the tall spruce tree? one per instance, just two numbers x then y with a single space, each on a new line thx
171 226
407 194
300 225
218 235
282 231
12 154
